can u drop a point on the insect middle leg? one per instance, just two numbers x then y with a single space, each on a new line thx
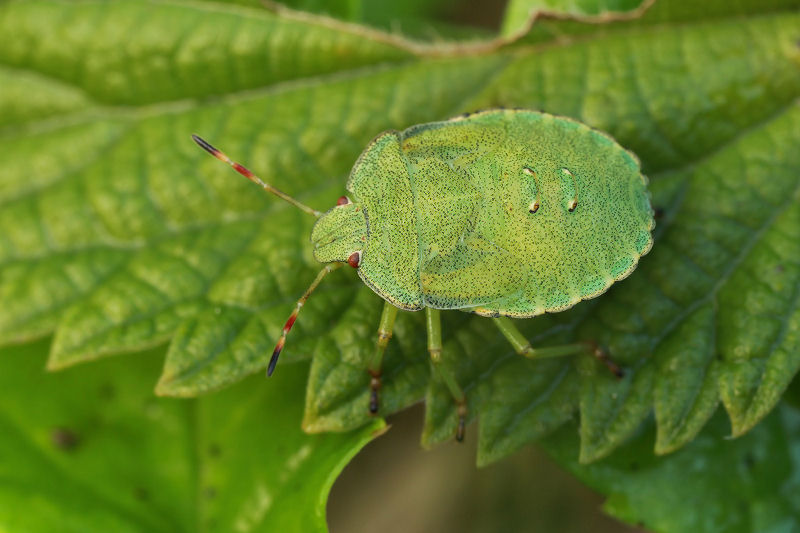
434 326
384 334
523 347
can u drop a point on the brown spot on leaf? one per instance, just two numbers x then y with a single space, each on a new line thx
64 438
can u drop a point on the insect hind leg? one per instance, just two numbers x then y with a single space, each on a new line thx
434 326
384 334
523 347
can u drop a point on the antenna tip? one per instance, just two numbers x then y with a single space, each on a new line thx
273 361
204 145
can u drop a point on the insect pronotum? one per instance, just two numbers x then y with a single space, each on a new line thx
502 213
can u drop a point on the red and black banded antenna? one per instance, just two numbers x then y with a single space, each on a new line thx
252 177
330 267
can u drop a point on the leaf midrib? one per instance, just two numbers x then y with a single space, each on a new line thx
139 111
731 267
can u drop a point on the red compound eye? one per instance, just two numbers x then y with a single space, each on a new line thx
343 200
354 260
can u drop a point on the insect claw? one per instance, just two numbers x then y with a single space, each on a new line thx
460 430
611 365
374 387
373 402
462 421
603 357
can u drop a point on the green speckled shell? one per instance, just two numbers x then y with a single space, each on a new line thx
449 226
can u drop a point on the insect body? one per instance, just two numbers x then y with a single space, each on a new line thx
503 213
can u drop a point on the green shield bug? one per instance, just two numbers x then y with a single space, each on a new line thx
503 213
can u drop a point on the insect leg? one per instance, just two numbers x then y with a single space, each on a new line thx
374 368
434 326
523 347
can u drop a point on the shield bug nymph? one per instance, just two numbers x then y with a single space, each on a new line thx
503 213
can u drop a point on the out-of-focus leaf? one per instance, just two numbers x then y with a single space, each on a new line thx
91 449
420 19
522 13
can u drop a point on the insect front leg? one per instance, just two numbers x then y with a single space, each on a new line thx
384 334
434 326
523 347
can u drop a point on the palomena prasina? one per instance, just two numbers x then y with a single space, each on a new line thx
503 213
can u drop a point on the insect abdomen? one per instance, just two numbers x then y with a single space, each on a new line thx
481 243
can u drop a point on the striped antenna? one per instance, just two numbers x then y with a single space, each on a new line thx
252 177
330 267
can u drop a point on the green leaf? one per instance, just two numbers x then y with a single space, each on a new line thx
742 485
570 20
144 54
117 233
521 14
424 20
686 392
93 450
